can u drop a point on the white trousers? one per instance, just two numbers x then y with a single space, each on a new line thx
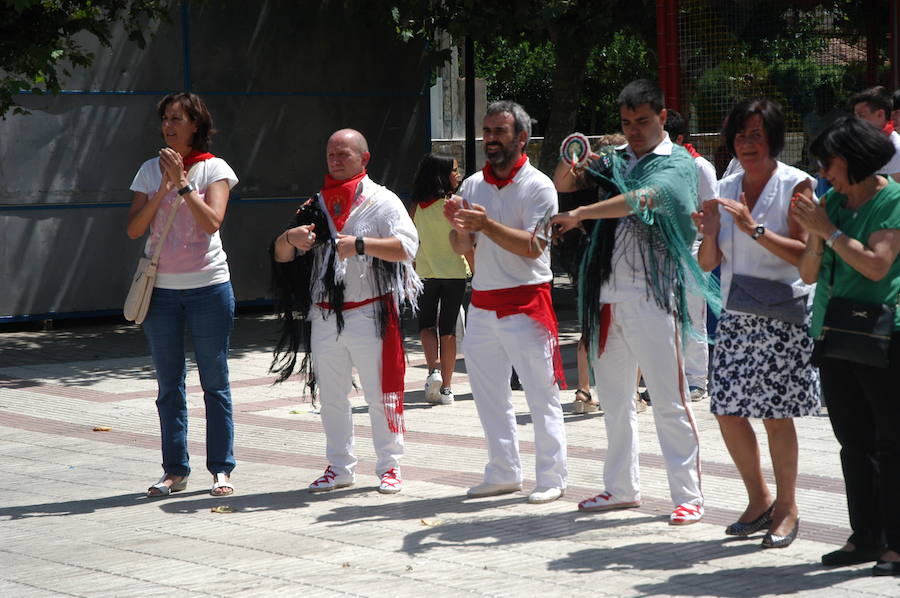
333 357
642 335
696 351
492 346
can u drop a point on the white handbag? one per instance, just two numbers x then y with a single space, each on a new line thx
138 301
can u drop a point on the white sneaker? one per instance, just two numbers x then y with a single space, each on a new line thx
487 489
606 502
329 481
433 387
446 395
698 394
390 482
543 495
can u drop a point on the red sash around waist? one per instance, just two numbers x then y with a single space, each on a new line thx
534 301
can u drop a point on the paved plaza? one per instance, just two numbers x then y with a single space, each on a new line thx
79 444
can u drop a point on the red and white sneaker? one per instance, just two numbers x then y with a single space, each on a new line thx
329 481
686 514
390 482
606 502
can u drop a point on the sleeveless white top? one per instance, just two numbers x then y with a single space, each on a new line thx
744 255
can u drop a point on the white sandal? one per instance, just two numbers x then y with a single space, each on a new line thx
220 480
162 489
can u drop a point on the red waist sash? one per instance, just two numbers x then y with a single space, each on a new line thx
534 301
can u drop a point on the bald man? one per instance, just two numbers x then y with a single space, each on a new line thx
357 281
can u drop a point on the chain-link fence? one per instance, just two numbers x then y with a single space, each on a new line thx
809 56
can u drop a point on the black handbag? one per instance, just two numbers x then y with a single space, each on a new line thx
855 330
769 298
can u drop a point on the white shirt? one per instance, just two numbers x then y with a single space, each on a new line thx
523 204
741 253
893 165
706 180
190 258
627 282
378 213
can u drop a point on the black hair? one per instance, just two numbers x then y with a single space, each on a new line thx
896 100
675 125
432 178
865 148
197 112
640 92
772 117
877 98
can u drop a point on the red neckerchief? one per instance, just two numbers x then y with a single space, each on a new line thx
888 128
195 156
534 301
339 196
501 183
427 202
393 360
690 148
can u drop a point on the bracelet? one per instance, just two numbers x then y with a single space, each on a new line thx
287 237
837 234
814 252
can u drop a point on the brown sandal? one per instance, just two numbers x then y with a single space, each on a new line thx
584 403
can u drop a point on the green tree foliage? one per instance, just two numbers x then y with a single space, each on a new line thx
39 45
572 28
523 72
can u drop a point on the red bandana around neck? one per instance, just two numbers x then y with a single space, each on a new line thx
338 196
888 128
691 150
491 178
195 156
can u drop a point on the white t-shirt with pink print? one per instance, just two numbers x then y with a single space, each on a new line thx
190 257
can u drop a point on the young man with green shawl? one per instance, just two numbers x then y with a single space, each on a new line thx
635 277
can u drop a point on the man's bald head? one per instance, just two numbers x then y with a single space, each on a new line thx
347 154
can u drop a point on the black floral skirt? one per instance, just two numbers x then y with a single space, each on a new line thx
761 368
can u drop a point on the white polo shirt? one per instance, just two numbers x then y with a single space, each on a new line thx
521 204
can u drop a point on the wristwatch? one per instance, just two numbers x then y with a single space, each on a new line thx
760 231
186 189
360 246
837 234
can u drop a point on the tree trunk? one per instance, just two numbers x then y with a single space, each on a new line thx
568 82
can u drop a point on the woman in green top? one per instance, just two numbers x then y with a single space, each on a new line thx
854 241
442 270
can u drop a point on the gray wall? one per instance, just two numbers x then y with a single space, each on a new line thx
278 76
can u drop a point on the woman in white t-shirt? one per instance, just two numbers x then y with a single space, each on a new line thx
193 287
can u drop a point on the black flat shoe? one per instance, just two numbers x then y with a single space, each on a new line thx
751 527
771 540
842 558
886 568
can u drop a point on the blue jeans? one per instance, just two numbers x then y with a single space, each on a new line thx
208 314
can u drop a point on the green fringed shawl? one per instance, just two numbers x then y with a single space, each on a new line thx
661 191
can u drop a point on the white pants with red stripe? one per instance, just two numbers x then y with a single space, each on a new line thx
333 356
642 335
493 346
696 351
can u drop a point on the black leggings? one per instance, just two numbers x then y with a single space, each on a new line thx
864 408
449 292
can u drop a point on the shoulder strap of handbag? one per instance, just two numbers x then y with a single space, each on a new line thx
162 237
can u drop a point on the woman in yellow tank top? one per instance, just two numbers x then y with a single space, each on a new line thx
443 272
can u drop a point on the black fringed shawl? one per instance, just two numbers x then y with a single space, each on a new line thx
293 284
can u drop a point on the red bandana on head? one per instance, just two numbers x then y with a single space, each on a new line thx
195 156
691 150
491 178
338 196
